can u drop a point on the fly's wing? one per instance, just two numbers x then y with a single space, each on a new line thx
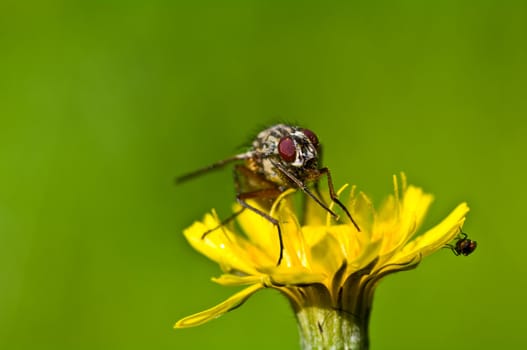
214 166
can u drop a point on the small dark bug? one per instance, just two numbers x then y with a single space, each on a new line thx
464 245
281 157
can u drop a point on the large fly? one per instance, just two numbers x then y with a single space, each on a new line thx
281 157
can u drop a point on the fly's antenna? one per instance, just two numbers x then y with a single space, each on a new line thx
214 166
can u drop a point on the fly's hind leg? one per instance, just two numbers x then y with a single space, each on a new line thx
250 179
265 193
452 248
223 223
251 185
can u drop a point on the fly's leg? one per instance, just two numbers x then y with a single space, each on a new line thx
318 193
251 185
302 186
223 223
452 248
316 185
334 197
247 174
241 199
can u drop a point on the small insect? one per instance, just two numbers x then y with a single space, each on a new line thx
464 245
281 157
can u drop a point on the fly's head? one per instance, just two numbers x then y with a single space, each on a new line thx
282 151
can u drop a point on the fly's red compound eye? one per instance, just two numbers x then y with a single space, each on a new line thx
311 136
287 149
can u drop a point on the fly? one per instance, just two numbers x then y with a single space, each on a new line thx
281 157
464 245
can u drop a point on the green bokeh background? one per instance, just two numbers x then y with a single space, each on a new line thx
103 102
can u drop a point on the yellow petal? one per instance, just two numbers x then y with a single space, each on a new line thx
329 217
414 208
218 310
313 234
297 278
313 214
369 252
220 245
398 228
234 280
361 208
435 238
262 233
328 253
296 254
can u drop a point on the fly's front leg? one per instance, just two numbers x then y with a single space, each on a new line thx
334 197
316 185
305 200
302 186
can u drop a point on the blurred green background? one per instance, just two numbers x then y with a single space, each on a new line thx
103 102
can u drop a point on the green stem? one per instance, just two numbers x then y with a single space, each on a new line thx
322 328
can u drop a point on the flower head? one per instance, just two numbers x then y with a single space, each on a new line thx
326 265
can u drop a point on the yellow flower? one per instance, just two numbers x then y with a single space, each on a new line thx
329 270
